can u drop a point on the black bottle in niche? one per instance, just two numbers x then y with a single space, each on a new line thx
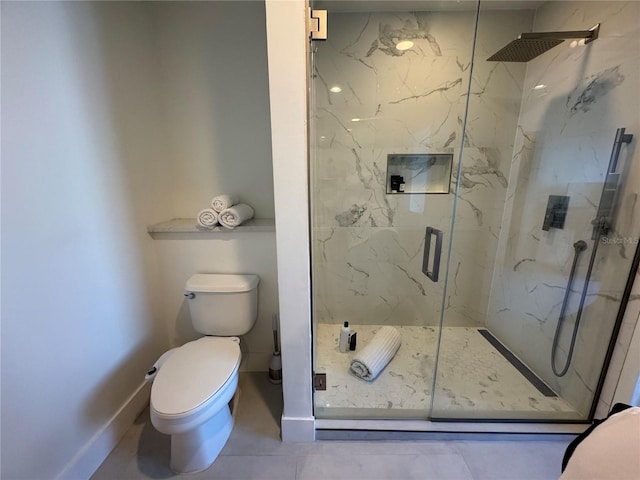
397 183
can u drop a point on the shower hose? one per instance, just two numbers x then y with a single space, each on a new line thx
579 247
602 224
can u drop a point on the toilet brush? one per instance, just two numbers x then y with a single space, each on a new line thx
275 366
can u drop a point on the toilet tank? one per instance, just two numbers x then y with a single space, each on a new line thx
222 304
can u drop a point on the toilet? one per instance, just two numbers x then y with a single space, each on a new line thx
194 384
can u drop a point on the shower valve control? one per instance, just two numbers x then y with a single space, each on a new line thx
556 212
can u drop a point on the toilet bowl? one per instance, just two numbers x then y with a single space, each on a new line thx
190 399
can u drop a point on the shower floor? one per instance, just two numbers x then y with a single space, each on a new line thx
474 380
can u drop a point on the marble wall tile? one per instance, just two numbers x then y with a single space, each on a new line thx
368 244
372 275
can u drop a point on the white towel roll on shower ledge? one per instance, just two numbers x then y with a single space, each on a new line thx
371 360
222 202
207 218
234 216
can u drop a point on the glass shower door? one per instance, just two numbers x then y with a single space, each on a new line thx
388 101
537 291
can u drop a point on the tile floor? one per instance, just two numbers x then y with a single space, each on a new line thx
254 451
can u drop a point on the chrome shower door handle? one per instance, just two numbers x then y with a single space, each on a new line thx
432 274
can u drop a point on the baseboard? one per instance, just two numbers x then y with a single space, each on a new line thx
298 429
91 456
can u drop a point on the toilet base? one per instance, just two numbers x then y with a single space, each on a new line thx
195 450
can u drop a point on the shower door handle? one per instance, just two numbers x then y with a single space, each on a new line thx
432 274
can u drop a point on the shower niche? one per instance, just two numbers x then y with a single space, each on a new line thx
419 173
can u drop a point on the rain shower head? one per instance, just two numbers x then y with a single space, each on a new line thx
524 49
529 45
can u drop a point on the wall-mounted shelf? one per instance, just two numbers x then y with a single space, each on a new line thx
190 226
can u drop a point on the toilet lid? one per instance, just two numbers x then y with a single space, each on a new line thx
193 374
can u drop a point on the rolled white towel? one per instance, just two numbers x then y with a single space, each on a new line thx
207 218
371 360
234 216
222 202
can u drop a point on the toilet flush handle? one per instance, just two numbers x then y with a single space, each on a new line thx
190 295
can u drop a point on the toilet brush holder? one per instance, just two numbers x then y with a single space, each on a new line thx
275 368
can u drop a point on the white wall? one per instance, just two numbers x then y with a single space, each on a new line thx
83 173
215 99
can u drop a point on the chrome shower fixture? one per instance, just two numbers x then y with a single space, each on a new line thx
529 45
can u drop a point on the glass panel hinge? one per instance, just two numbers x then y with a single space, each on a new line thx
317 24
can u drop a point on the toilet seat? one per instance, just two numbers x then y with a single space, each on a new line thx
193 375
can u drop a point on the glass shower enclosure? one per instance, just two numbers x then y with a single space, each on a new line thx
485 208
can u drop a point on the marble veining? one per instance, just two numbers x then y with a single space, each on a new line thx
409 101
351 216
411 31
601 84
474 379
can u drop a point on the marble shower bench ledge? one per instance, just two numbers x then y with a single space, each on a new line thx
190 226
